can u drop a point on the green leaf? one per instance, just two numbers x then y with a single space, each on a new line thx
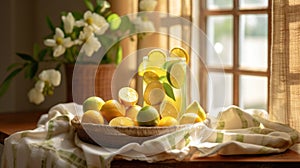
5 84
12 66
119 55
30 70
36 50
89 5
50 24
163 79
77 15
34 69
169 91
26 57
42 54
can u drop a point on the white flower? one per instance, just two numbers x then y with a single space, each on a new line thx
69 22
95 21
147 5
105 6
52 76
39 85
91 43
35 96
85 34
143 26
59 43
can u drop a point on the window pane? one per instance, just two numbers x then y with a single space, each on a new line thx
219 91
253 92
219 4
254 42
220 34
250 4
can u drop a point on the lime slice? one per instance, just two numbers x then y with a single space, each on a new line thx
196 108
157 57
180 52
128 96
169 63
168 108
154 93
176 75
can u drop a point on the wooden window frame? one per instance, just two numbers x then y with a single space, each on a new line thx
235 70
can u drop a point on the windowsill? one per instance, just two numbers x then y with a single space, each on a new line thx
14 122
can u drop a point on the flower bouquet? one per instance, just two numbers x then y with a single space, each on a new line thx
78 34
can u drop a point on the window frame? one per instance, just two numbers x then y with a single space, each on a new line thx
235 70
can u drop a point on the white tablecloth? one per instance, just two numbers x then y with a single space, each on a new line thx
55 144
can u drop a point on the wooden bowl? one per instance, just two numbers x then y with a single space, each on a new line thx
118 136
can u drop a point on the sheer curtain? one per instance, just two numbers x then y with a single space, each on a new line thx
285 63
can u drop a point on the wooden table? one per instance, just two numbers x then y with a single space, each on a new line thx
13 122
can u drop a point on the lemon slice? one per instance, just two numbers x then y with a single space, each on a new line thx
150 76
146 67
167 121
189 118
196 108
176 75
128 96
168 108
180 52
121 121
132 112
157 57
154 93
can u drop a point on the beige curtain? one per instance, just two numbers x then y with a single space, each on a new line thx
285 63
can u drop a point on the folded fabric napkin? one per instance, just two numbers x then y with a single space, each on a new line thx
54 142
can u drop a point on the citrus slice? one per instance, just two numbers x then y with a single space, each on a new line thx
146 67
189 118
150 76
92 116
169 63
154 93
176 75
132 112
148 116
180 52
196 108
112 109
157 57
167 121
128 96
121 121
168 108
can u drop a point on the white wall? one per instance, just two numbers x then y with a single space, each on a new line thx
23 23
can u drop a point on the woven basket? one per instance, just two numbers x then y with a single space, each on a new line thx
117 136
85 84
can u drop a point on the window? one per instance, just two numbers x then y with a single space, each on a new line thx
239 31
